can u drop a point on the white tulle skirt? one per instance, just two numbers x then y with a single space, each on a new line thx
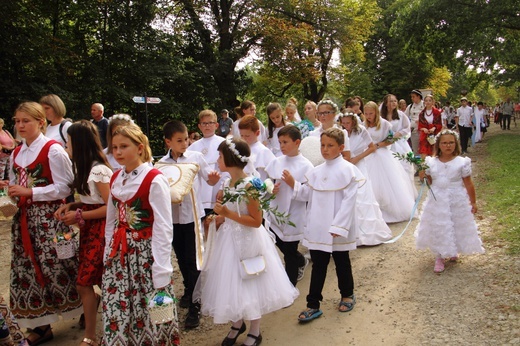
402 147
371 227
391 185
223 293
447 226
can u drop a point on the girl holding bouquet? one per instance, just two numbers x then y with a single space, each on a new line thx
447 226
225 293
91 179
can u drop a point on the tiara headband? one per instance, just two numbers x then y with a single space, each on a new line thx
330 103
235 152
125 117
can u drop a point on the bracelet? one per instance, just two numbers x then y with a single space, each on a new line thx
79 217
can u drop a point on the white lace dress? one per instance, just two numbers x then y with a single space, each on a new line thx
447 226
223 293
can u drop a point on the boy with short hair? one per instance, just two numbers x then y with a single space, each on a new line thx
261 156
208 146
186 219
287 236
330 190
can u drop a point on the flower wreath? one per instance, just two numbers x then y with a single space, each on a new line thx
121 116
231 145
330 103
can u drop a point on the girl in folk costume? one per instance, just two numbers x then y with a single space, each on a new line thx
91 179
430 124
223 292
138 253
7 145
391 185
43 287
447 226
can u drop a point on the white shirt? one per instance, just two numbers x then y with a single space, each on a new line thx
53 132
60 165
99 173
235 131
162 231
183 212
412 111
464 115
318 131
273 144
209 149
259 159
299 166
330 190
401 125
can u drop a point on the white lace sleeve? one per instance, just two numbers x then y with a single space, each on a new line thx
100 174
466 167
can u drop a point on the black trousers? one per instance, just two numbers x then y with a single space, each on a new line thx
292 257
184 247
320 262
506 118
465 135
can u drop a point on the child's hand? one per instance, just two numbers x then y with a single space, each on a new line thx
288 178
276 188
61 211
334 235
220 194
213 178
69 218
4 183
19 191
220 209
474 208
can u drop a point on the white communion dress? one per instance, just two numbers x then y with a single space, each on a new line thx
222 291
447 226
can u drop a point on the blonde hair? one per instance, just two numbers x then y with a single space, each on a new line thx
207 113
136 136
377 119
35 110
2 123
55 103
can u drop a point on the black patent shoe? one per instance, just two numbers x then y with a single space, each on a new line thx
258 339
185 302
231 341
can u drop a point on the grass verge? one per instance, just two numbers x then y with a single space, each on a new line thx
502 188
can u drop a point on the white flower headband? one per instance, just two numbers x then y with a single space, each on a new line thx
348 114
330 103
124 117
235 152
447 132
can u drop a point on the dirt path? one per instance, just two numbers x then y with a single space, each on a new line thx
400 301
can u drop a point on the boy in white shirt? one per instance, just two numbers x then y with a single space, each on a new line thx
287 236
186 225
208 146
261 156
330 190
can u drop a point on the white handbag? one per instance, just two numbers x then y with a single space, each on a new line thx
252 267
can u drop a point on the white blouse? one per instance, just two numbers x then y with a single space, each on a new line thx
162 231
99 173
61 169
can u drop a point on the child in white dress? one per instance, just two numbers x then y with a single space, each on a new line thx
447 226
224 293
276 122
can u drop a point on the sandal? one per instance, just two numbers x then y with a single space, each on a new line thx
348 305
309 315
44 335
89 341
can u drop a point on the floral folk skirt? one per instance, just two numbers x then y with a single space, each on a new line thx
126 290
91 247
31 303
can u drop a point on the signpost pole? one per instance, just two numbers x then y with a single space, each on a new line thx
146 115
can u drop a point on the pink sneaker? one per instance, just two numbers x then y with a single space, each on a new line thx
439 265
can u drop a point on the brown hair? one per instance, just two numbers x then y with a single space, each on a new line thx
55 103
335 134
207 113
447 132
230 158
249 122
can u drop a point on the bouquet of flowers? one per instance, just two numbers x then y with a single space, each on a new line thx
65 243
390 137
418 163
261 191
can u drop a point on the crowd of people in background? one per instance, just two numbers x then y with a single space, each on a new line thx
335 175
